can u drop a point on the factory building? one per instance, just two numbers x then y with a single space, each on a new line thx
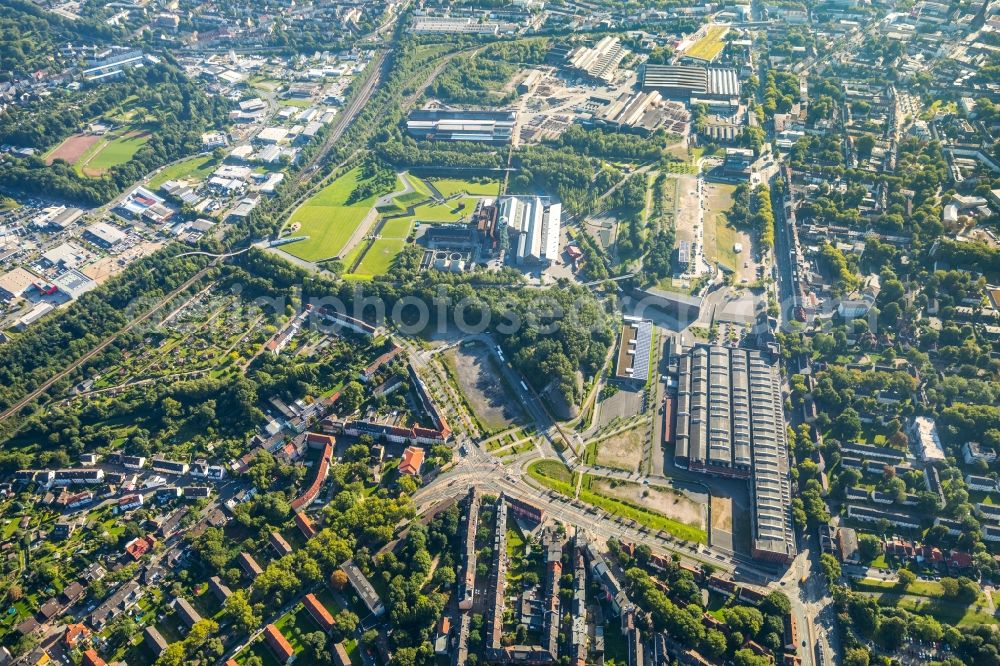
644 113
730 422
445 25
599 62
533 226
456 125
693 83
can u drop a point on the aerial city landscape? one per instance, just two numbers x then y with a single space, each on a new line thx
469 332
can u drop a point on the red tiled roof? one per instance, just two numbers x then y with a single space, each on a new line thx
91 658
318 612
321 471
413 458
317 438
278 643
75 633
305 525
960 559
140 546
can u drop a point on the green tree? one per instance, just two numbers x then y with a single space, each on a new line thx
906 578
238 610
831 567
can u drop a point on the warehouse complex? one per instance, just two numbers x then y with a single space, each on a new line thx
730 422
457 125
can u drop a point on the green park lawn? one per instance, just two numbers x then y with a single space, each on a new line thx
420 192
379 257
449 186
399 227
328 220
450 211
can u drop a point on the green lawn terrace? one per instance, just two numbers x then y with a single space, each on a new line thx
329 219
416 202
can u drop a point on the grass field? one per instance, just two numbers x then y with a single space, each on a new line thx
105 155
420 192
450 211
450 186
720 235
920 588
945 612
553 474
710 46
328 220
196 169
399 227
379 257
556 476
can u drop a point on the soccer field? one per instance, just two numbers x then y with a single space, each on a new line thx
106 155
328 220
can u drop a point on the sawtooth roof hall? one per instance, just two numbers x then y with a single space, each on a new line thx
731 422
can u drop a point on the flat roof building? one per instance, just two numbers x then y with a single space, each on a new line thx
738 162
924 434
431 25
363 588
65 255
104 235
458 125
73 283
15 282
634 348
